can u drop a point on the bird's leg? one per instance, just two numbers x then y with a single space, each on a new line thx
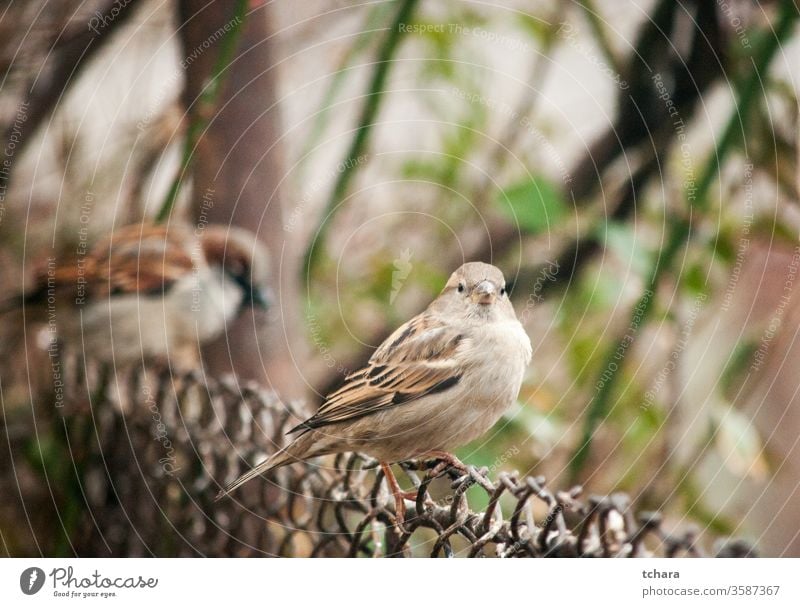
399 496
446 458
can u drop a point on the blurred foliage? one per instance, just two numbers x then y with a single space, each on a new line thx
535 204
432 103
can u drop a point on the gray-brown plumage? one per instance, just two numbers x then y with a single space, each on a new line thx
149 291
439 381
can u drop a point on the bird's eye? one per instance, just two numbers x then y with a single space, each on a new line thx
503 291
461 287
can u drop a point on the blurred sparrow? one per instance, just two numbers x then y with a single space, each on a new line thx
151 291
439 381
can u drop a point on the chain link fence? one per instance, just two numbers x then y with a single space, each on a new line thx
148 450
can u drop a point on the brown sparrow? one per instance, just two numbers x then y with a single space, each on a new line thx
439 381
150 291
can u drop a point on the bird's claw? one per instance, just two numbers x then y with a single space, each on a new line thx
447 460
400 513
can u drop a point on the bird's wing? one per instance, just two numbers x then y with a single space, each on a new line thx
143 259
140 258
418 359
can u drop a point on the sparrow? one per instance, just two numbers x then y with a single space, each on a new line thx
438 382
150 292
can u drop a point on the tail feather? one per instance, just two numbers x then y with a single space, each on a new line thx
297 450
272 462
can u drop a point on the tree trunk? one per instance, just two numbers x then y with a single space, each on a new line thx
238 165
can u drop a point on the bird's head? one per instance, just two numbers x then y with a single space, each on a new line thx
478 291
244 260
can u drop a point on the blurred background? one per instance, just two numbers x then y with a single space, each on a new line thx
631 166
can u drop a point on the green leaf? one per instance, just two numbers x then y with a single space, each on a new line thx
735 371
538 28
535 203
694 279
738 443
623 240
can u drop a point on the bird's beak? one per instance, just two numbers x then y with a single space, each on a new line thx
484 293
261 298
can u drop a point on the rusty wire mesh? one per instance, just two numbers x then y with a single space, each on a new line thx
149 451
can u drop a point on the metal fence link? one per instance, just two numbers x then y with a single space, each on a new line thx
151 449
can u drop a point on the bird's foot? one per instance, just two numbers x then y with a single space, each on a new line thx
399 497
446 460
410 495
400 513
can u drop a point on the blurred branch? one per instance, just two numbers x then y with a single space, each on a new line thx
365 37
651 47
365 123
797 157
502 233
67 56
692 78
510 136
206 103
597 24
680 231
746 91
577 252
237 173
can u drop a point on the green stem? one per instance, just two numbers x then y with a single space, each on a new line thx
680 231
365 123
205 104
371 23
600 404
747 90
601 36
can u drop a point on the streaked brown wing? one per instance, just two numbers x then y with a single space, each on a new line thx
416 360
140 258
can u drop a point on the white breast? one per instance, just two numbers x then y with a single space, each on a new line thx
193 311
497 357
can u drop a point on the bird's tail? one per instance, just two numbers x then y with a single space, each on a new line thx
295 451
